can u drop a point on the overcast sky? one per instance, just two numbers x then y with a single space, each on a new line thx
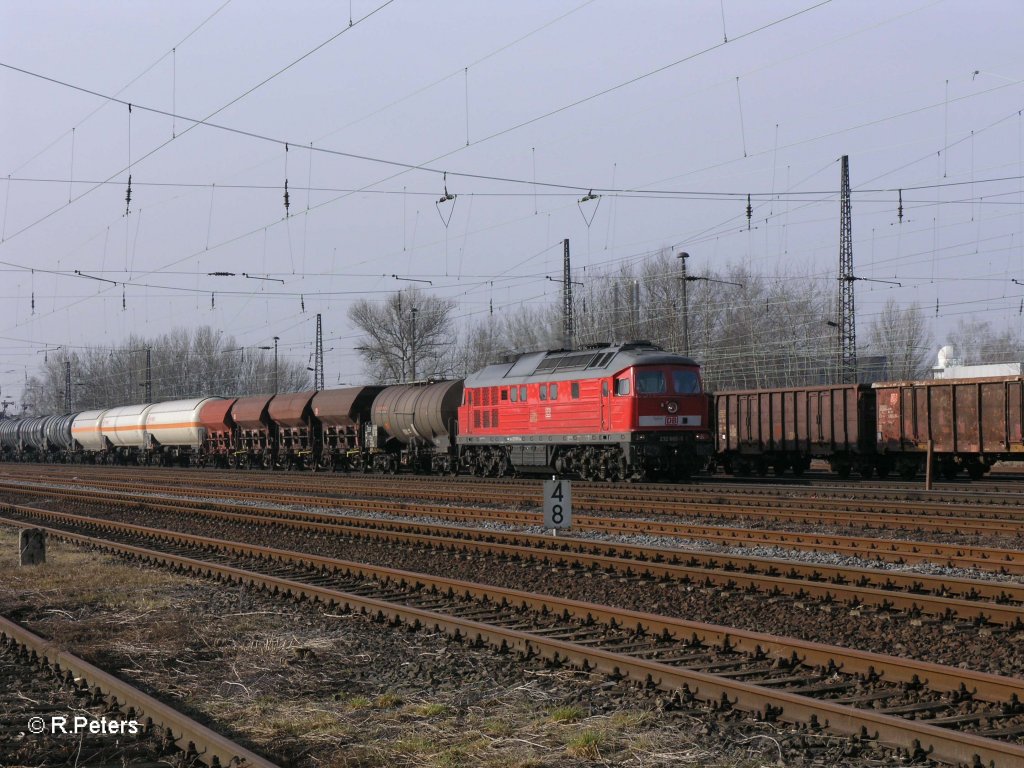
631 99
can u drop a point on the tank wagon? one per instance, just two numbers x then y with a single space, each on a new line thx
784 429
9 439
414 426
58 435
85 432
971 423
627 411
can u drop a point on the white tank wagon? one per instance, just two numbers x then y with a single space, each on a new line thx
175 431
177 423
125 427
85 431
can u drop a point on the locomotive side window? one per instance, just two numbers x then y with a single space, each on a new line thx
575 390
604 388
504 394
650 383
554 391
621 387
515 394
685 382
543 391
522 393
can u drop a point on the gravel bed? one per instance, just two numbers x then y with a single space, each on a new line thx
670 542
991 649
310 689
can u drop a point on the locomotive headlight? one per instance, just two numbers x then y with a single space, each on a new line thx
672 406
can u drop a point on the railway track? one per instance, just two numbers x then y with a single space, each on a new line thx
949 714
919 594
961 519
997 559
986 494
39 681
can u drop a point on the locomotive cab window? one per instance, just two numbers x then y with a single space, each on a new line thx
621 387
522 393
515 394
574 390
685 382
554 391
543 391
650 382
504 394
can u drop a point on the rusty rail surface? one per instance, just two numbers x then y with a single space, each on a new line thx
212 748
988 601
973 494
950 746
935 515
999 559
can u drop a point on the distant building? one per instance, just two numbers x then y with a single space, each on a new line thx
949 367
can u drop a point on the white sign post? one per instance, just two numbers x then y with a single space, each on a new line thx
557 504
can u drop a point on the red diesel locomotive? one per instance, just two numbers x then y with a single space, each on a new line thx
627 411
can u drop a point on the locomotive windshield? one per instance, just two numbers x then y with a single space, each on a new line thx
655 382
685 382
650 382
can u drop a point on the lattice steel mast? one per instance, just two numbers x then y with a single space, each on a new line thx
318 364
568 332
847 342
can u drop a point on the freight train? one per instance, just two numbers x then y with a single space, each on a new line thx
624 411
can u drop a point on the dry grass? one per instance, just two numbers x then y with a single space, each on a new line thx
318 691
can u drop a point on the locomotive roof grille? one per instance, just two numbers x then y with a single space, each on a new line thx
568 362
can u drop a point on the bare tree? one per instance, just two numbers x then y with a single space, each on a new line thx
976 342
183 364
903 338
408 336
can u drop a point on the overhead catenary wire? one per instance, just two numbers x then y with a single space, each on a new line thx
156 149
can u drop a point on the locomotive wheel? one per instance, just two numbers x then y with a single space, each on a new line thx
501 465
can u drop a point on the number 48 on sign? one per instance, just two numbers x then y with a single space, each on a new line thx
557 503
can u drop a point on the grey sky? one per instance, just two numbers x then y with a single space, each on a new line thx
867 79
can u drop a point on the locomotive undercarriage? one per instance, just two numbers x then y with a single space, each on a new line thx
630 462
